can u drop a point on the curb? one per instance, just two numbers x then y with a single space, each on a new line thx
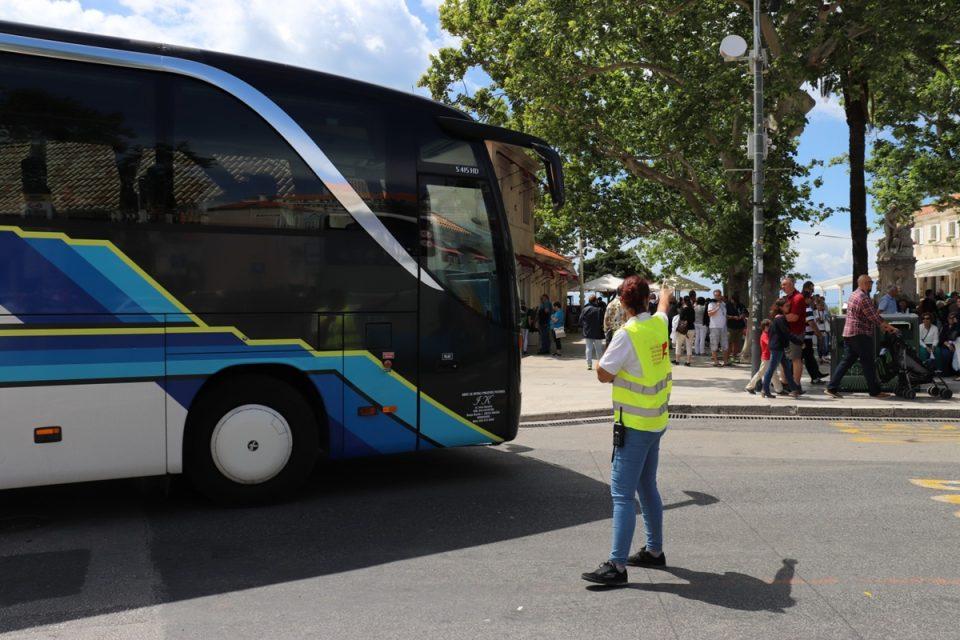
763 410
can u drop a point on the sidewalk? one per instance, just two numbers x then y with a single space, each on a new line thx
561 388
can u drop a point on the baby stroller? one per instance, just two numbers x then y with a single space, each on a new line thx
911 372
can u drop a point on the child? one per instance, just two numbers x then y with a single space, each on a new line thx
764 361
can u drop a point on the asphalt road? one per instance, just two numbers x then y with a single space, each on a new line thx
774 529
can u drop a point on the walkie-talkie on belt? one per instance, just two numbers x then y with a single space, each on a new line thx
619 434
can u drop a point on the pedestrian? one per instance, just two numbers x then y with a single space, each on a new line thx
654 304
823 323
684 334
700 326
888 303
795 312
948 345
736 323
757 379
780 337
717 312
862 320
612 317
928 304
543 324
811 334
557 330
929 341
903 306
531 322
591 322
638 365
524 327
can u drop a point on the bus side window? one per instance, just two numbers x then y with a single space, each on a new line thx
369 142
74 140
230 168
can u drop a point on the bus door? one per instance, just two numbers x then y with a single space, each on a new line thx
465 339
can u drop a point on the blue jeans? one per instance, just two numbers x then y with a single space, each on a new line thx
635 472
594 350
776 359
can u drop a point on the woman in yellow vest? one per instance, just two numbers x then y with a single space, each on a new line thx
637 362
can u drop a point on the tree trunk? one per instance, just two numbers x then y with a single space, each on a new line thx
737 282
855 105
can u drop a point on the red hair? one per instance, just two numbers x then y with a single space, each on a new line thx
635 293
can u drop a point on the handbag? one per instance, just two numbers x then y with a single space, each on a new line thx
560 332
682 327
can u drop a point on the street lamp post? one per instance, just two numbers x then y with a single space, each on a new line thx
759 150
732 49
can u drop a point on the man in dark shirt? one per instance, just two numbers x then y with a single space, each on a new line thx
736 323
591 321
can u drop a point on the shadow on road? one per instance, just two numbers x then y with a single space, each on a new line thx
730 590
354 514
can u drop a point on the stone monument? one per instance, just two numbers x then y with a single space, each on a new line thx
895 260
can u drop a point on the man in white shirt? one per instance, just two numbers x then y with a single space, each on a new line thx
719 338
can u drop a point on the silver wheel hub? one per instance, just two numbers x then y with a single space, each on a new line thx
251 444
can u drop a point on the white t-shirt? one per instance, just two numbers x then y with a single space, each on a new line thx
719 319
620 354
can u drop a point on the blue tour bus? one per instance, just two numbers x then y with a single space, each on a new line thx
230 269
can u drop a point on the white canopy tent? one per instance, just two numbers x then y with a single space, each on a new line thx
843 283
604 284
681 284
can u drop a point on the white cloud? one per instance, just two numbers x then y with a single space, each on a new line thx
829 255
379 41
431 5
826 106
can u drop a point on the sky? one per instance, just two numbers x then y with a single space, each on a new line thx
388 42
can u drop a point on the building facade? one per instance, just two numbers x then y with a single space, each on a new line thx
540 270
936 246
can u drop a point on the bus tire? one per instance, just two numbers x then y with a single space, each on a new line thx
251 439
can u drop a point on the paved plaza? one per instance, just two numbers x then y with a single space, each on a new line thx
789 529
562 388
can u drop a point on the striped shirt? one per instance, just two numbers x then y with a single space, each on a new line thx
811 317
862 316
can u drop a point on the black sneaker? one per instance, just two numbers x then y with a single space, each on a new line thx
831 393
644 558
607 574
821 380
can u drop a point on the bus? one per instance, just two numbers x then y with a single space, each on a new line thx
232 269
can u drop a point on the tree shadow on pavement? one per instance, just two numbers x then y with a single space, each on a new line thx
730 590
353 514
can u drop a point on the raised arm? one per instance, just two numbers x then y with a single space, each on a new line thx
664 305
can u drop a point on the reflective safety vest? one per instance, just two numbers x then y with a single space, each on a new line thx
643 400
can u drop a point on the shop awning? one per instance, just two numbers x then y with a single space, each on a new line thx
937 267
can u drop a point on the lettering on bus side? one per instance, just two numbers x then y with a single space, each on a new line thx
466 171
483 406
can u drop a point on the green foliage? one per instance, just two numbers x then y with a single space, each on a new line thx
650 120
920 158
617 262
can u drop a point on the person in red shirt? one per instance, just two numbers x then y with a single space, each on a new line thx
862 320
764 361
795 312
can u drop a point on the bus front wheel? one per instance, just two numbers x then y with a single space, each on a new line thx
252 439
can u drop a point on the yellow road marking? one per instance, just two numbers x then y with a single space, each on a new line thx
898 433
941 485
